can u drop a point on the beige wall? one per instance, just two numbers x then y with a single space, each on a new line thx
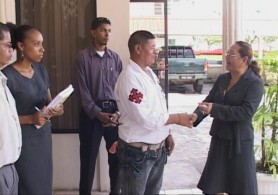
7 11
118 13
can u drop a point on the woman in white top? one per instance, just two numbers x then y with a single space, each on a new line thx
10 132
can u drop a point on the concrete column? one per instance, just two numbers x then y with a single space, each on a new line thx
232 24
118 43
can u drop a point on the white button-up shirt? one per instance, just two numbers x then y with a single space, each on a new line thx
10 131
142 105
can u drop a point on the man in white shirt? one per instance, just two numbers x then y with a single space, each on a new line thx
10 131
144 132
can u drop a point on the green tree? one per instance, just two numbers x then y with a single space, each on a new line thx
270 39
251 39
211 40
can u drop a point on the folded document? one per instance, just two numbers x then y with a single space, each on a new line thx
61 97
58 100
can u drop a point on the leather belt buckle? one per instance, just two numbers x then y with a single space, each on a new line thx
151 147
145 148
156 146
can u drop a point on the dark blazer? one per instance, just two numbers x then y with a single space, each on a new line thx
233 110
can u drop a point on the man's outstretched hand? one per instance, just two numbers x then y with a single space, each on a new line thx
187 119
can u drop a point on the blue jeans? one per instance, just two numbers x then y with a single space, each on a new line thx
140 172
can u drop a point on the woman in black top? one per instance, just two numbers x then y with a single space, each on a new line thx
232 102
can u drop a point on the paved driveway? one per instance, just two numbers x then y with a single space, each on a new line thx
186 163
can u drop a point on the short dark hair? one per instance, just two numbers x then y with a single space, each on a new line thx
99 21
139 37
3 28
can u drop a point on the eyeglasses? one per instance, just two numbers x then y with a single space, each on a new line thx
7 45
230 54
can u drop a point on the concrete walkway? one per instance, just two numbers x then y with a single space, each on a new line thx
185 165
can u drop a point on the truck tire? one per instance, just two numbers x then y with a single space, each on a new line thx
198 86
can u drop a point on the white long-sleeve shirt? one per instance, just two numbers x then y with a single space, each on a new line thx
10 131
142 105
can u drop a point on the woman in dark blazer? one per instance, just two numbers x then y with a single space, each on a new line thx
232 102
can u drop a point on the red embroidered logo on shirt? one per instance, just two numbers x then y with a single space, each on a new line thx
135 96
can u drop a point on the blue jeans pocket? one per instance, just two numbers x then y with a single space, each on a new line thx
136 161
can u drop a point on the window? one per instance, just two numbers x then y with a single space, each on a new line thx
158 9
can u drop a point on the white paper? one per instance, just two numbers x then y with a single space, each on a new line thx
58 100
61 97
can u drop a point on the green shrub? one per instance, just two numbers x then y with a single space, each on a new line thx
266 119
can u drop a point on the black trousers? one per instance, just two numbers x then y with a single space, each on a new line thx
90 135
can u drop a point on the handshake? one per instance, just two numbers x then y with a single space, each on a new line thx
186 120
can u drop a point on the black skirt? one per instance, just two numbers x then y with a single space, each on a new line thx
34 165
232 175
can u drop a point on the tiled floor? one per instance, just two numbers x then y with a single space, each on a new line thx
184 191
166 192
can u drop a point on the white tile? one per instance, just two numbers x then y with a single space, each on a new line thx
65 192
162 192
74 192
178 191
196 191
100 193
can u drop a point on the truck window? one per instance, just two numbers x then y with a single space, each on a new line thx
177 52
